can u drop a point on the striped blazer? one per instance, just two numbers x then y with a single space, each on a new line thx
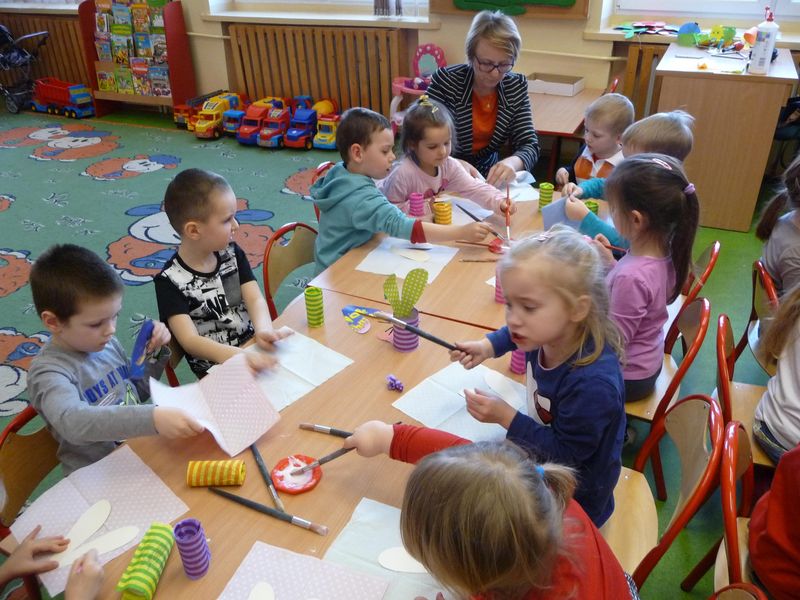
452 86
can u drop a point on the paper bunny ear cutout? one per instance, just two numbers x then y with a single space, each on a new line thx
414 285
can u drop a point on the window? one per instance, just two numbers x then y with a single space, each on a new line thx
407 8
710 8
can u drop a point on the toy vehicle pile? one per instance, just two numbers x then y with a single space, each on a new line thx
271 122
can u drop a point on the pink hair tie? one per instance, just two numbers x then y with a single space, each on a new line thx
689 189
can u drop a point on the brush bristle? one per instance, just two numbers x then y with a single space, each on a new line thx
306 426
320 529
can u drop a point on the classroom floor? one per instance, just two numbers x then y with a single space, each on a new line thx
51 203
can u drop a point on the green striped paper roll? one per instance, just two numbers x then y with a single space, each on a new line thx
143 572
545 193
315 311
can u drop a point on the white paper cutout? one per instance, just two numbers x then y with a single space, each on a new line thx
438 402
262 591
398 559
502 386
137 496
411 253
383 261
228 402
295 576
86 526
373 528
105 543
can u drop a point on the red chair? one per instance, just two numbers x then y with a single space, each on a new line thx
694 424
739 591
730 553
690 327
764 302
25 460
694 283
282 257
738 400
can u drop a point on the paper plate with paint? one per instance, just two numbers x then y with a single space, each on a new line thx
295 484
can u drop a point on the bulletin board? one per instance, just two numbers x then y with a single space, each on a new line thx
578 10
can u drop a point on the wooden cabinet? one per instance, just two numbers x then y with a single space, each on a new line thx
179 60
735 117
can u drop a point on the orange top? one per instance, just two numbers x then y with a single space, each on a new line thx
484 115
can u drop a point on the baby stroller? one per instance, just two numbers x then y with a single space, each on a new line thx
14 57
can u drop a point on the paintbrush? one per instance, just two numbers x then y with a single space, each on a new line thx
508 213
403 325
481 260
322 461
477 220
300 522
614 248
267 478
325 429
472 243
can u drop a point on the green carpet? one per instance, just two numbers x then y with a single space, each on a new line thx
73 181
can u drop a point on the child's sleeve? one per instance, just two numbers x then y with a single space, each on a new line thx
460 182
169 299
243 265
593 188
629 300
591 225
585 407
378 214
411 443
501 341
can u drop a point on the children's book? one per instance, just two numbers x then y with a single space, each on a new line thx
124 78
121 48
140 65
159 80
159 43
122 15
157 14
140 16
143 45
103 48
103 6
106 81
141 79
102 22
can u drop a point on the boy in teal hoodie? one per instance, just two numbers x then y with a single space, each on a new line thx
667 133
352 209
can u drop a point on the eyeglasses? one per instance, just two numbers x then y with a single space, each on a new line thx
487 66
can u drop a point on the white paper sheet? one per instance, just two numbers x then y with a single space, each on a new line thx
437 402
137 496
299 577
373 528
303 364
383 261
228 402
459 216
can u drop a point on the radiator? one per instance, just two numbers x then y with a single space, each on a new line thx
353 66
62 55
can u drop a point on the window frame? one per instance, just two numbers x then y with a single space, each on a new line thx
739 9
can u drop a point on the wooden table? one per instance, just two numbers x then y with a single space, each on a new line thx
459 293
355 395
735 123
560 116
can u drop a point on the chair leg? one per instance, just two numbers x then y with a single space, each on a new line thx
658 474
32 587
701 568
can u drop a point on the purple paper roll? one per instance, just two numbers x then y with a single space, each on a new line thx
518 361
404 340
191 542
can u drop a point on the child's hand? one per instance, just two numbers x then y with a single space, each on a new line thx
575 209
371 438
266 338
24 561
562 177
175 423
258 361
572 189
471 354
473 232
85 578
507 205
489 409
602 244
160 337
469 168
500 174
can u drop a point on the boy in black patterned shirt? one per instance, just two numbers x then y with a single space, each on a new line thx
207 293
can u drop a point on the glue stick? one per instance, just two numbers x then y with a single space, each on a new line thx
761 57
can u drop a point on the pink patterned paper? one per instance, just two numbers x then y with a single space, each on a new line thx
299 577
228 402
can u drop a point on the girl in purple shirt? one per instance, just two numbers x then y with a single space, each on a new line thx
656 208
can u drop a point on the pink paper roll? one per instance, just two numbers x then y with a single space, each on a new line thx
416 204
191 541
518 361
498 290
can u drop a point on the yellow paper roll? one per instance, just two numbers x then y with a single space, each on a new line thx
141 577
215 472
442 213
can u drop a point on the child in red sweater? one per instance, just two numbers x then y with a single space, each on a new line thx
490 523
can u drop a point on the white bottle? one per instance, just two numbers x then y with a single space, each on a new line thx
761 56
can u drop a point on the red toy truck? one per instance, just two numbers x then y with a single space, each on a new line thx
275 126
58 97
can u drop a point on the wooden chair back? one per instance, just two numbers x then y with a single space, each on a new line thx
763 304
280 259
739 591
697 278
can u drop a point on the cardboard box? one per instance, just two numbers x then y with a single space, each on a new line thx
560 85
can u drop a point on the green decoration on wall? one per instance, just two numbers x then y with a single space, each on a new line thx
509 7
